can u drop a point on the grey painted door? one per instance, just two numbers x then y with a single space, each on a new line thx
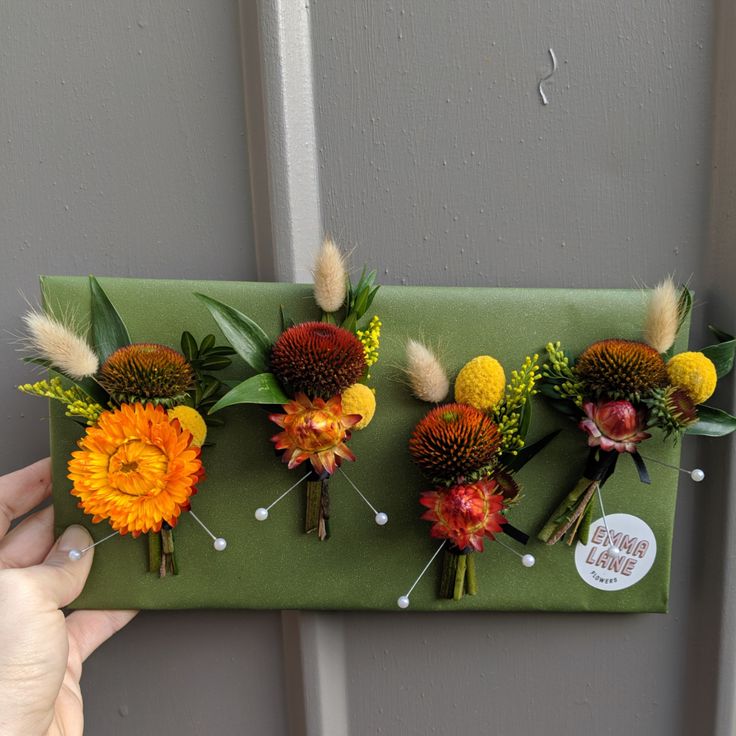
414 132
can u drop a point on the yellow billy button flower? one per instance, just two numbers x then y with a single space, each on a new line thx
694 373
481 383
191 420
359 399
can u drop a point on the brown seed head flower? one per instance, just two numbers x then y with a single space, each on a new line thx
453 440
621 369
317 359
146 372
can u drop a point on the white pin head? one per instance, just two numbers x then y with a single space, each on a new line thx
614 551
261 514
697 475
220 544
528 560
381 518
75 554
403 601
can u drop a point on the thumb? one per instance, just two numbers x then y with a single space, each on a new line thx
61 577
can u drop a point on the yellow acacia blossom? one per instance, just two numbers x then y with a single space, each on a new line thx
78 404
370 338
508 415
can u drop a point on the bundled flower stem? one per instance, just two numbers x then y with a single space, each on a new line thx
616 390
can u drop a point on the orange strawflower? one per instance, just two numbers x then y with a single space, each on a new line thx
315 431
136 468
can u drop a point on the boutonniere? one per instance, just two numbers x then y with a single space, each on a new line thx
315 379
139 462
469 451
622 394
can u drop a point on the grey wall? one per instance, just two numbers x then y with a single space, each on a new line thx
439 163
124 152
435 160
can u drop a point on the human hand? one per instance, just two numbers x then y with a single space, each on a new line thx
41 651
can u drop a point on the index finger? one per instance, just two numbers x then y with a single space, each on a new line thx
22 491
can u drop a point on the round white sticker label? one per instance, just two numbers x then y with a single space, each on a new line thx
616 556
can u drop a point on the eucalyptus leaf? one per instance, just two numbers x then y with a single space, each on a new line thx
260 389
250 342
712 422
722 355
108 329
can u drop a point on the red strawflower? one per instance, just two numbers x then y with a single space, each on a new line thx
465 514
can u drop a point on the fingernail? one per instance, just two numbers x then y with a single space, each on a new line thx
75 537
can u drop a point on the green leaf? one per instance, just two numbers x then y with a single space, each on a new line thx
286 320
720 334
260 389
37 361
108 329
189 346
209 387
349 323
526 418
215 363
518 461
207 344
722 356
712 422
250 342
684 305
87 385
219 351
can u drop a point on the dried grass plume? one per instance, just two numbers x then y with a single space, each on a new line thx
426 375
330 277
49 339
663 317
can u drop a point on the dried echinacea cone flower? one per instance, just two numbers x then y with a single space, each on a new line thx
426 376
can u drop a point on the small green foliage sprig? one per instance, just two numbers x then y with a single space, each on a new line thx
204 359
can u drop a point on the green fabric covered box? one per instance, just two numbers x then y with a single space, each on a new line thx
273 564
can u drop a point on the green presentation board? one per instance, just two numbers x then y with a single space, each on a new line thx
273 564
